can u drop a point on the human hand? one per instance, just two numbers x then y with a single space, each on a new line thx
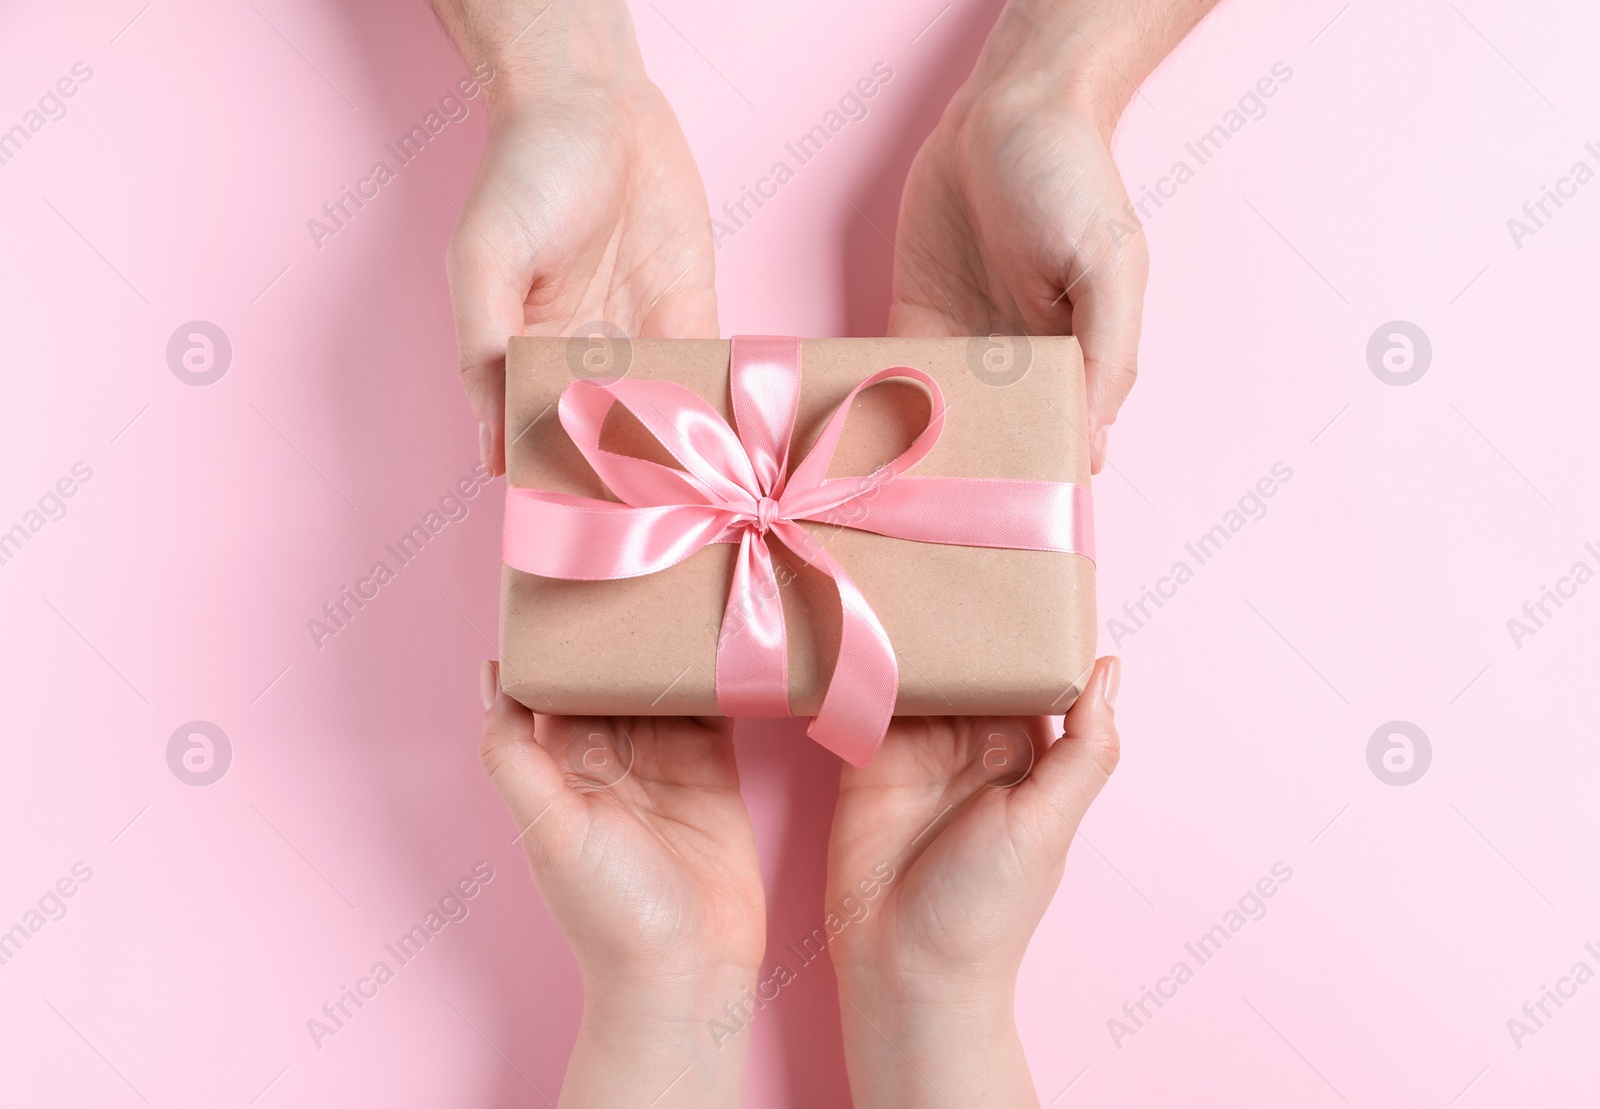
1014 215
1012 220
640 846
587 207
928 961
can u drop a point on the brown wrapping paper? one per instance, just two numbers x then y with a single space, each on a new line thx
975 630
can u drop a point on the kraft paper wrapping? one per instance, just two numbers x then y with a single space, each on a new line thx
976 631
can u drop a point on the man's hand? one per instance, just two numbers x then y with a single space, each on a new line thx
587 208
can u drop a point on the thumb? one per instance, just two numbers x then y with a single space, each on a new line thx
528 780
487 294
1073 770
1107 308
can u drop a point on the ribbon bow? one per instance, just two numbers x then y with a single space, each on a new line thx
737 488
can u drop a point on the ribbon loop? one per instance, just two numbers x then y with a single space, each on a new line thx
736 487
766 396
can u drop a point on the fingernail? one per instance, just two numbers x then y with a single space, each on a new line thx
1100 438
1113 682
484 443
488 684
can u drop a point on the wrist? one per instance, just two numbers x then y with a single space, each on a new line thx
669 1007
931 1048
905 990
1072 54
647 1040
530 51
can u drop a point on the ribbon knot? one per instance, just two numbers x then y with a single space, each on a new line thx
766 510
664 514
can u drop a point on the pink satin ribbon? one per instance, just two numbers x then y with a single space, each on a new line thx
732 489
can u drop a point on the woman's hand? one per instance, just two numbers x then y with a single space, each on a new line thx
1014 217
640 845
1013 221
945 853
588 207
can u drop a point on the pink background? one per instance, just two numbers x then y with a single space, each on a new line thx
218 520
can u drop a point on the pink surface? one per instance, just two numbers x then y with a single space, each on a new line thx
207 525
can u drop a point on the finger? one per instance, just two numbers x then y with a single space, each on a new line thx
1071 772
487 293
523 773
1107 309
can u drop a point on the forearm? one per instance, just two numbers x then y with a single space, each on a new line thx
533 47
910 1051
1095 53
640 1048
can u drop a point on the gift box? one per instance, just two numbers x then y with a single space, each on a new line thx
753 574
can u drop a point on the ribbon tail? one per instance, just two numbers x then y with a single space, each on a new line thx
859 702
752 646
